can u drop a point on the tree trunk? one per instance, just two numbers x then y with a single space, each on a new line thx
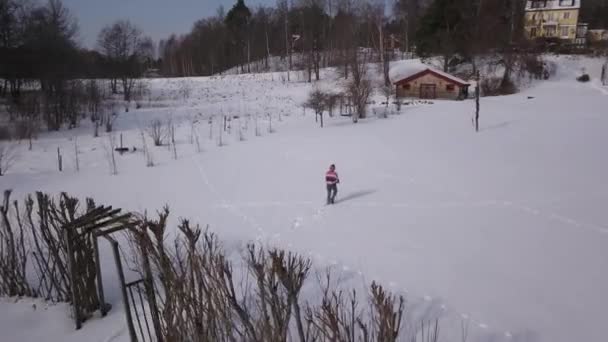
267 49
114 86
317 66
248 56
477 94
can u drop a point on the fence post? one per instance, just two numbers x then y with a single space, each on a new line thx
125 296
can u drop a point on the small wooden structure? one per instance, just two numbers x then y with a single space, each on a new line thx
432 84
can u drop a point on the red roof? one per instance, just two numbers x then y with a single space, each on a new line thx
444 76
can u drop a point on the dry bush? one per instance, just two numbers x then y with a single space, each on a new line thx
33 240
201 295
195 290
495 86
141 92
157 131
13 253
184 89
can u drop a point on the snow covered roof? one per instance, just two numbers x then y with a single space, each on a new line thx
411 68
540 5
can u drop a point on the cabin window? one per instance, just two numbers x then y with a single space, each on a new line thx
539 3
406 86
449 87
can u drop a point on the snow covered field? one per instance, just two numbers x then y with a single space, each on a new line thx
505 230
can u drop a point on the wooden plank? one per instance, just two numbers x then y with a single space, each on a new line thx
75 300
102 301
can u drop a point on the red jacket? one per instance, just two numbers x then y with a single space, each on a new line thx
331 178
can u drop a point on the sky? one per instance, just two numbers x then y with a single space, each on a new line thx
156 18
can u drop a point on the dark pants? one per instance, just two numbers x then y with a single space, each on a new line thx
332 191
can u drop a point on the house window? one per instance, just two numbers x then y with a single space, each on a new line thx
533 32
566 15
566 2
449 87
406 86
564 31
539 3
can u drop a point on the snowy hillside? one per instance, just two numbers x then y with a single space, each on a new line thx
504 231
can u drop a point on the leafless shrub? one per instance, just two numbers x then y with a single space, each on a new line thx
171 128
13 253
8 156
32 238
108 115
495 86
110 155
147 154
157 131
199 294
185 89
241 133
257 127
140 92
196 292
5 133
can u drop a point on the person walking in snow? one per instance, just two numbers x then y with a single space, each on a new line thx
332 180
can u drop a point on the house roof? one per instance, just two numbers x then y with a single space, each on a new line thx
554 5
414 74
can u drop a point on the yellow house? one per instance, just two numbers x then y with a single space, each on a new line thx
552 19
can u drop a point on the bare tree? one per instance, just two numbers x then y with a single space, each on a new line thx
317 101
387 91
8 156
94 97
125 47
359 88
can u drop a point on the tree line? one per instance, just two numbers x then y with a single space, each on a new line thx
42 66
